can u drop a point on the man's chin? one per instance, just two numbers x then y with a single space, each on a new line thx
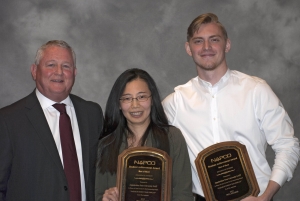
208 68
58 95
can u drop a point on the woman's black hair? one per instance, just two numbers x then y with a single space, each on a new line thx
115 124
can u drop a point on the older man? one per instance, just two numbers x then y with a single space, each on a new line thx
226 105
49 138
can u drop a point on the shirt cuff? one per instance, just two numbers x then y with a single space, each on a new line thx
279 176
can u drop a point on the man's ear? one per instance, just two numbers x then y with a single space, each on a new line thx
33 69
75 71
228 45
188 49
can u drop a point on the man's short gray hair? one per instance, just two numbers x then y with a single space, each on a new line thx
59 43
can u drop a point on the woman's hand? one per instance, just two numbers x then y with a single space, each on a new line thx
111 194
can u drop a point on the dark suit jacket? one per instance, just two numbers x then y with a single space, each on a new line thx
30 166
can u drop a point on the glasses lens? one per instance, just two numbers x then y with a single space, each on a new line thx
142 98
126 100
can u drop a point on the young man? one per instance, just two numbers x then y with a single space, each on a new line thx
225 105
49 138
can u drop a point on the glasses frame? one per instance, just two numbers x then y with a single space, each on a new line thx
131 99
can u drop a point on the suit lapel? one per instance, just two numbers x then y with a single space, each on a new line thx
38 120
83 124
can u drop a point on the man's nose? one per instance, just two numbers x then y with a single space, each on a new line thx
206 45
59 69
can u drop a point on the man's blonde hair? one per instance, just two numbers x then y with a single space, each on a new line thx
204 19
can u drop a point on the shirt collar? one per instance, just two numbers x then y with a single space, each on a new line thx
219 85
46 102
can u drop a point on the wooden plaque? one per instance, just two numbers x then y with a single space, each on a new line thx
144 174
226 173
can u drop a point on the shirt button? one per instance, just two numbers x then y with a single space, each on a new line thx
66 188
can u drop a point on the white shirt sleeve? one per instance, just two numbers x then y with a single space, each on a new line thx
169 105
275 123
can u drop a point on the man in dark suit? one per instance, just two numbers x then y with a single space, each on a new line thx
32 158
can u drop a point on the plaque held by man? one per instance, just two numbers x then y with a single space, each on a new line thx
226 173
144 173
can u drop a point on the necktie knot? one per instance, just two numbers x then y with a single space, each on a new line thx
60 107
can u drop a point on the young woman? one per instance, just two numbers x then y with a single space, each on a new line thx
135 117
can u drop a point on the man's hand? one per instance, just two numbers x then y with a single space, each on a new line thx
270 191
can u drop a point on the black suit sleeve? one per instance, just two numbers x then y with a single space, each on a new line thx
5 158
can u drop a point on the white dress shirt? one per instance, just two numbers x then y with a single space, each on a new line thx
238 108
52 116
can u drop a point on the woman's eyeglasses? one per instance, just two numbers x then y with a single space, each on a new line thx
141 98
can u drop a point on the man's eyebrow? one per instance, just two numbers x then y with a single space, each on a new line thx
196 38
212 36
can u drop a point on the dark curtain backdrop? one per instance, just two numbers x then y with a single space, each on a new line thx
110 36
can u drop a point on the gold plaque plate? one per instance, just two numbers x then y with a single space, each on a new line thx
226 173
144 174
